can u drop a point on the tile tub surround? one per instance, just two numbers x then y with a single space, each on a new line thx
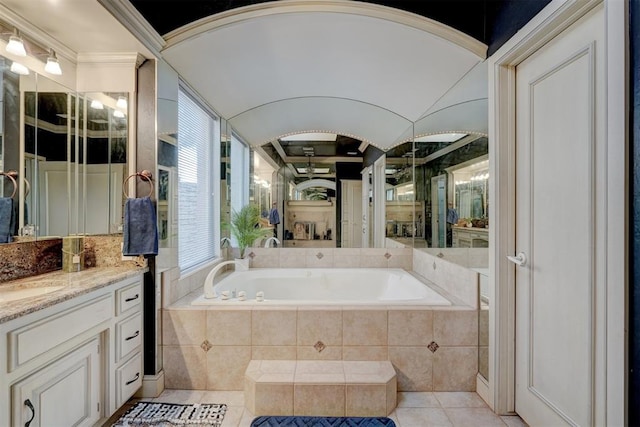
466 257
331 258
460 281
431 348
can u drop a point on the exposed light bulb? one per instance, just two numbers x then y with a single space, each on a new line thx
122 102
53 66
18 68
97 105
16 45
119 114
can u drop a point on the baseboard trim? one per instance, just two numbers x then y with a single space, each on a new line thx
152 386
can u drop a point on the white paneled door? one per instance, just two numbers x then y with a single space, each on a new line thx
351 222
559 140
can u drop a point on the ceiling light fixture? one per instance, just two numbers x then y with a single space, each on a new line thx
18 68
16 45
97 105
122 102
309 169
119 114
53 66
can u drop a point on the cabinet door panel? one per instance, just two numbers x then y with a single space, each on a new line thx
65 393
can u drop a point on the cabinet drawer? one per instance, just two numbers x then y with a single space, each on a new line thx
128 336
129 297
128 379
39 337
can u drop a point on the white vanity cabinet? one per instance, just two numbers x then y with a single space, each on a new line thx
65 393
470 237
74 362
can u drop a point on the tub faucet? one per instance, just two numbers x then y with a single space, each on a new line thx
208 281
269 240
225 241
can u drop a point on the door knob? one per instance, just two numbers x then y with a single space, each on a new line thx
520 259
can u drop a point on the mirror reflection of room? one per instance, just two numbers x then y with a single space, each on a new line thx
75 153
470 200
439 166
67 152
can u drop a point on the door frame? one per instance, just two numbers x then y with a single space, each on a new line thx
610 365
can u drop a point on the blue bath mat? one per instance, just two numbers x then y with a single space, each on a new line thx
289 421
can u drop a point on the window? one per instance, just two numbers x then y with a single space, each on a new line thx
198 181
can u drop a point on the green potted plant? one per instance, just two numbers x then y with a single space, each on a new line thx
245 227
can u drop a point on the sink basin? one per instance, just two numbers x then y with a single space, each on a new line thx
17 294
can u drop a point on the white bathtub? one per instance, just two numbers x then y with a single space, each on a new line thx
307 286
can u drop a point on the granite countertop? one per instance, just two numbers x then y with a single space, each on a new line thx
68 286
458 227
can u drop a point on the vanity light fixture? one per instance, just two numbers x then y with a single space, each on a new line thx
122 102
97 105
16 45
53 66
18 68
119 114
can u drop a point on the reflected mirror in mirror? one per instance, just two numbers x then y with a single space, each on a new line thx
166 175
437 159
225 180
79 160
102 161
403 212
11 183
317 185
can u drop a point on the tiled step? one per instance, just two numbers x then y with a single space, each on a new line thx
327 388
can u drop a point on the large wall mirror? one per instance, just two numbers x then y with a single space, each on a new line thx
69 154
412 200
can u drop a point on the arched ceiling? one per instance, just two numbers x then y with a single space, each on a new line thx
352 68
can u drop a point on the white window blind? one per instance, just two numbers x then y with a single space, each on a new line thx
198 161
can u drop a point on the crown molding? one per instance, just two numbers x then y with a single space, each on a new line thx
137 25
220 20
124 58
36 34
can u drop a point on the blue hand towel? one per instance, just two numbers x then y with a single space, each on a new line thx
140 228
7 219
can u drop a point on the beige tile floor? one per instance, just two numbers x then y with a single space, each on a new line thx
415 409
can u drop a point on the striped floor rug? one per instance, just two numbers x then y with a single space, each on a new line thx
172 414
299 421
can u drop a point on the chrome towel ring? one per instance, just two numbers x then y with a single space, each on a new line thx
145 175
10 175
